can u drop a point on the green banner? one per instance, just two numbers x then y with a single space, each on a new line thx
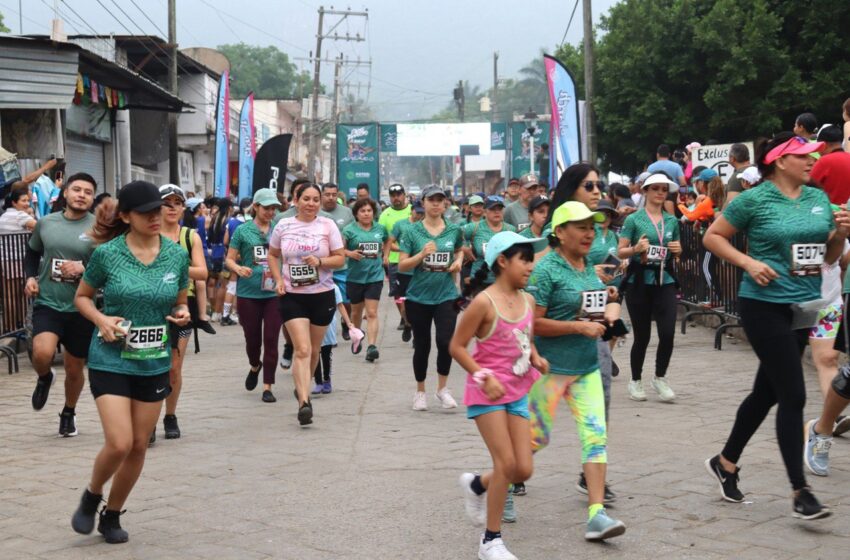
520 144
357 158
389 137
498 136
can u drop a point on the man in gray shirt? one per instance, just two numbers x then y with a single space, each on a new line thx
516 213
739 157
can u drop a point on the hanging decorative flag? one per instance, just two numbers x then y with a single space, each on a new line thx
93 91
564 144
222 134
247 147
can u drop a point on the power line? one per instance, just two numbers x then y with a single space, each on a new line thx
252 26
569 23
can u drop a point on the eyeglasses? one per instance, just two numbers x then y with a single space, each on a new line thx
590 185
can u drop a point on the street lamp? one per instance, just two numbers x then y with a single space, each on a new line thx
530 120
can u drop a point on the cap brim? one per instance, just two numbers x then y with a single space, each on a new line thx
805 149
147 207
597 217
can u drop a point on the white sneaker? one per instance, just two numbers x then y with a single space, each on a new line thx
215 318
476 506
636 392
665 393
445 398
234 317
494 550
420 401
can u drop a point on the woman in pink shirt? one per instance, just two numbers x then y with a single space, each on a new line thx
303 251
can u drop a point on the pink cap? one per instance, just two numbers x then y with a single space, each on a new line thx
796 146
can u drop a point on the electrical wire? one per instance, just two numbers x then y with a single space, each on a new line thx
569 23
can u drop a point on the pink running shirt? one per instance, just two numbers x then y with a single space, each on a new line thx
296 240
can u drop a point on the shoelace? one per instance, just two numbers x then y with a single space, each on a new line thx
822 445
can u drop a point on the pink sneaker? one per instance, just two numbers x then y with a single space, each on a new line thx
356 339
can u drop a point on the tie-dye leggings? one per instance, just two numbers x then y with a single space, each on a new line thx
586 400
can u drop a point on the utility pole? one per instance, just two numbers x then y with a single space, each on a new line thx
173 163
495 105
335 113
459 99
590 119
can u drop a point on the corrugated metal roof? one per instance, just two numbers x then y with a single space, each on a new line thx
37 76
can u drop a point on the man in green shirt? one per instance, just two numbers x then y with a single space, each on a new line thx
399 210
516 213
58 251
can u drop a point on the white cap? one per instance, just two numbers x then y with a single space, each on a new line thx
660 179
750 175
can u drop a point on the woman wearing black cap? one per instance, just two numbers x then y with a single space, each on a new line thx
144 278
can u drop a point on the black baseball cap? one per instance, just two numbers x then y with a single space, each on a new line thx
537 202
492 201
139 196
396 188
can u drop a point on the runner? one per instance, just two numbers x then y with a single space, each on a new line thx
322 374
501 370
217 284
247 258
431 248
229 316
512 191
342 217
477 235
173 199
402 279
308 247
789 236
475 216
144 278
650 237
399 211
573 310
516 213
194 217
364 241
58 251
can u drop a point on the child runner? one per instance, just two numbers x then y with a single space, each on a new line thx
322 375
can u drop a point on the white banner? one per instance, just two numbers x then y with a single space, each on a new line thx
717 157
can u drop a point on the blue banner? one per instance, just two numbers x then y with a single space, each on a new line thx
564 145
247 148
222 134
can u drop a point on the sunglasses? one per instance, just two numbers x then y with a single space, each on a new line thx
590 185
175 190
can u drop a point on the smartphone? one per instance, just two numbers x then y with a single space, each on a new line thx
618 329
124 326
612 261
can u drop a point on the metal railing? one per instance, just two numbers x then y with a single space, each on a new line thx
13 300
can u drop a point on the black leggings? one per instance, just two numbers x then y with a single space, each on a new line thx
323 368
443 315
779 380
647 304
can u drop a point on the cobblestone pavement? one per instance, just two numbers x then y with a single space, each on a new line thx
373 479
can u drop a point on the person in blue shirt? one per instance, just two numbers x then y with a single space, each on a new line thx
663 164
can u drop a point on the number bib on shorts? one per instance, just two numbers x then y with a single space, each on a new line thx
593 304
437 262
656 254
807 258
303 275
146 343
56 272
370 250
261 254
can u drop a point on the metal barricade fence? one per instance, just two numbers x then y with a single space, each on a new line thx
13 301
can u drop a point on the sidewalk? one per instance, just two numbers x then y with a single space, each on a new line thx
373 479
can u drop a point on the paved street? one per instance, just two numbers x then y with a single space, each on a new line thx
373 479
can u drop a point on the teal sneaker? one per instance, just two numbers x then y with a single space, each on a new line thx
816 453
509 515
602 527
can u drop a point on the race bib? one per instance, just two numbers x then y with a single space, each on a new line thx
146 343
303 275
483 249
261 254
267 283
656 254
56 272
437 262
593 304
807 258
370 250
521 227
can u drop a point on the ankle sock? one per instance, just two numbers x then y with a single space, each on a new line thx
593 509
68 410
476 486
226 310
491 535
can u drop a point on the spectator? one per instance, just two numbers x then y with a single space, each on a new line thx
832 171
16 219
805 125
750 177
663 164
739 157
845 113
543 166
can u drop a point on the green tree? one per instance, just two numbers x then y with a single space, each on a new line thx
3 28
266 71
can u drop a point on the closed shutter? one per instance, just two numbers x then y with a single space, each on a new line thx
85 156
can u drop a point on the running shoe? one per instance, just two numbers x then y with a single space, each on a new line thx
420 401
636 392
445 398
665 393
609 498
110 527
519 489
227 321
842 425
345 334
305 413
807 507
204 325
67 424
215 317
286 360
327 388
728 481
83 519
615 369
372 353
494 550
42 389
476 506
401 325
152 439
251 380
356 337
406 333
268 396
172 430
602 527
816 451
317 389
509 515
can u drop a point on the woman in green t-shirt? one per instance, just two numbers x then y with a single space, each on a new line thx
364 246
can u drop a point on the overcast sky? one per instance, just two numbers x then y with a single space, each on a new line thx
419 49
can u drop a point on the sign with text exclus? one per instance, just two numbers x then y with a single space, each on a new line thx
716 157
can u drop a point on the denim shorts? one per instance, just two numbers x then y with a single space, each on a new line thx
517 408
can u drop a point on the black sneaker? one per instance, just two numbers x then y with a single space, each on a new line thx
842 425
172 430
519 489
401 326
152 439
83 519
110 527
286 361
728 481
205 326
345 333
268 397
227 321
406 333
372 353
42 389
305 414
615 369
806 506
67 425
252 379
609 498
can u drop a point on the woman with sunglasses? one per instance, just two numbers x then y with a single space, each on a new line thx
477 234
650 238
304 250
791 232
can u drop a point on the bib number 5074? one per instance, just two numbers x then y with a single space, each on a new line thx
807 258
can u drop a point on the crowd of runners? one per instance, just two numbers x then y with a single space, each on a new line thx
523 289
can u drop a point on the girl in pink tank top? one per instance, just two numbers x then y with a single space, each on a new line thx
501 370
